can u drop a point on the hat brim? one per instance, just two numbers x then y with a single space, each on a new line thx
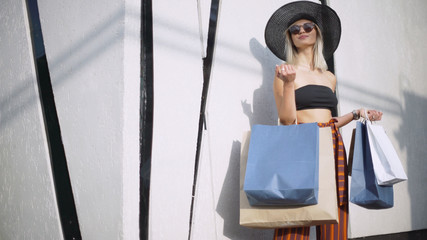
324 17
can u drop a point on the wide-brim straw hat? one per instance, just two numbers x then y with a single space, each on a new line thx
324 17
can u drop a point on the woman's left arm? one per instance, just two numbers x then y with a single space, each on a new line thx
343 120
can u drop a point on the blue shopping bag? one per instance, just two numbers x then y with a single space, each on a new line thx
364 190
283 165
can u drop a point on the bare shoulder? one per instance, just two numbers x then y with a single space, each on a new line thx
330 76
331 79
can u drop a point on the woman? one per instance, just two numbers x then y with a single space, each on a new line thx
305 34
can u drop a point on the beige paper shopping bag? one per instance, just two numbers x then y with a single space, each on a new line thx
325 212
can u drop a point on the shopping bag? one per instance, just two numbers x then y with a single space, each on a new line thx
283 167
325 212
364 189
351 152
387 166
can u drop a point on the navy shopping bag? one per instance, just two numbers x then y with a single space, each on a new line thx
364 190
283 165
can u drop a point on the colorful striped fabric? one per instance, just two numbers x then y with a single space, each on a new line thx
328 231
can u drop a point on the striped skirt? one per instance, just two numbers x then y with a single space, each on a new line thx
328 231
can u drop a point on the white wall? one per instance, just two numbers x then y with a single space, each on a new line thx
178 82
240 95
131 116
93 51
93 54
380 64
28 207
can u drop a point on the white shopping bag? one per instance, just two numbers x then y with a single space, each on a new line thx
387 166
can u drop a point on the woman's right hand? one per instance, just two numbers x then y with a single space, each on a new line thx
286 73
373 115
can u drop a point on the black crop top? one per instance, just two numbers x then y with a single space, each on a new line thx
315 96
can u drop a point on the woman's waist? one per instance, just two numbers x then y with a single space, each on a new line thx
314 115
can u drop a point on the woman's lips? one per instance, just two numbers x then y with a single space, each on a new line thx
302 37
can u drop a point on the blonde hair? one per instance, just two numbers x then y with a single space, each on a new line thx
291 51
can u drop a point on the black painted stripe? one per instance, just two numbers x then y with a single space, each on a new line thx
146 114
61 178
207 66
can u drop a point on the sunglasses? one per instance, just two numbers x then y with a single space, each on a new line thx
308 27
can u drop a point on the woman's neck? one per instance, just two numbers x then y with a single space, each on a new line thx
305 58
305 65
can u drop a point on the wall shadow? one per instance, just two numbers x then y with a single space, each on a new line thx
229 203
412 137
263 109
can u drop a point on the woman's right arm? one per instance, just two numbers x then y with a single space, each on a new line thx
284 94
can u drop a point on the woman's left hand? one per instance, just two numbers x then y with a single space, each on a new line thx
373 115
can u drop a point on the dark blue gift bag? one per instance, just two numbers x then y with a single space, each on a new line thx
364 190
283 165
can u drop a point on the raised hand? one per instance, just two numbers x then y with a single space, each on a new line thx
286 73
